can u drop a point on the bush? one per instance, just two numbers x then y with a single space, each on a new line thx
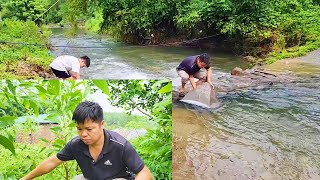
13 54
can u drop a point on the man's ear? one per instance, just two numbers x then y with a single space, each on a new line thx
102 123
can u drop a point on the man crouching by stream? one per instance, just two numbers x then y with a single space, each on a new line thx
100 154
194 67
68 67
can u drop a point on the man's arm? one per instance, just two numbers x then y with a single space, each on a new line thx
144 174
45 167
191 79
74 75
209 74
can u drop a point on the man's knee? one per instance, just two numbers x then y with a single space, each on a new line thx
184 76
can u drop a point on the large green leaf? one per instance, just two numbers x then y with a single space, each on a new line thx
55 117
41 89
6 143
166 89
11 87
35 107
7 121
54 87
102 85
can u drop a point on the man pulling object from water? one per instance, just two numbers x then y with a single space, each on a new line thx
68 67
194 67
100 153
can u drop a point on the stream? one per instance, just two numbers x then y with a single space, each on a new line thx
269 133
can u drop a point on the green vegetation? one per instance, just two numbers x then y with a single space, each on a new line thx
272 29
58 100
282 28
17 60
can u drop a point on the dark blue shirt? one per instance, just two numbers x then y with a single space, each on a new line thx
189 65
117 159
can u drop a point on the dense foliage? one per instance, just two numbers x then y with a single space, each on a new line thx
252 27
283 28
58 100
17 60
156 147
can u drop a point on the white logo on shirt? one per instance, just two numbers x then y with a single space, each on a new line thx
108 163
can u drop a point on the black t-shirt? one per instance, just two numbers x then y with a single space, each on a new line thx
189 65
117 159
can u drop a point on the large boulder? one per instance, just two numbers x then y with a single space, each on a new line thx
204 95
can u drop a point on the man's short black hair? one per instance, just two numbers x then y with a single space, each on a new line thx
87 59
205 58
87 110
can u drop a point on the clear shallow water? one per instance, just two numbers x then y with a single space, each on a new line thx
271 133
121 61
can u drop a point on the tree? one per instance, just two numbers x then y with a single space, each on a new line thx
26 10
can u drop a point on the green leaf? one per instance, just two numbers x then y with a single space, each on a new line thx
54 87
103 86
166 89
7 121
11 87
35 107
26 103
41 89
6 143
72 124
44 140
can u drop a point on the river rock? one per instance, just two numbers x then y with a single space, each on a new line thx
237 71
204 95
249 58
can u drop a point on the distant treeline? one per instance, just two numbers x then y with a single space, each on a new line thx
251 27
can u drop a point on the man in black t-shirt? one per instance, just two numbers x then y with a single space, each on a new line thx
100 154
194 67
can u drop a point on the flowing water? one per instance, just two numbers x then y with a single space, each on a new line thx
113 60
270 133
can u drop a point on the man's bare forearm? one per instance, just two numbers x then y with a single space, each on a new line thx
45 167
144 174
209 74
191 79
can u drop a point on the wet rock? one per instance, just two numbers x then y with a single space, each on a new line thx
250 58
204 95
237 71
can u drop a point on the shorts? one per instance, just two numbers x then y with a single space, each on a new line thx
201 75
60 74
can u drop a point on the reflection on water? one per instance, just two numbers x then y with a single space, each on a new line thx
273 133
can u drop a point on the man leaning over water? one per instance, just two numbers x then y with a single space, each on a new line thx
194 67
68 67
100 154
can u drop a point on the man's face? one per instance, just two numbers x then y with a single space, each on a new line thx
90 132
82 63
201 64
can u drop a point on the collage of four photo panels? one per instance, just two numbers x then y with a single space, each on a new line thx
143 90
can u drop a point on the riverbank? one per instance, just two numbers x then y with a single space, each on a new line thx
24 53
308 65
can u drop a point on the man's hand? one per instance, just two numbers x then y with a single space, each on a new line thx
74 75
191 79
211 85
